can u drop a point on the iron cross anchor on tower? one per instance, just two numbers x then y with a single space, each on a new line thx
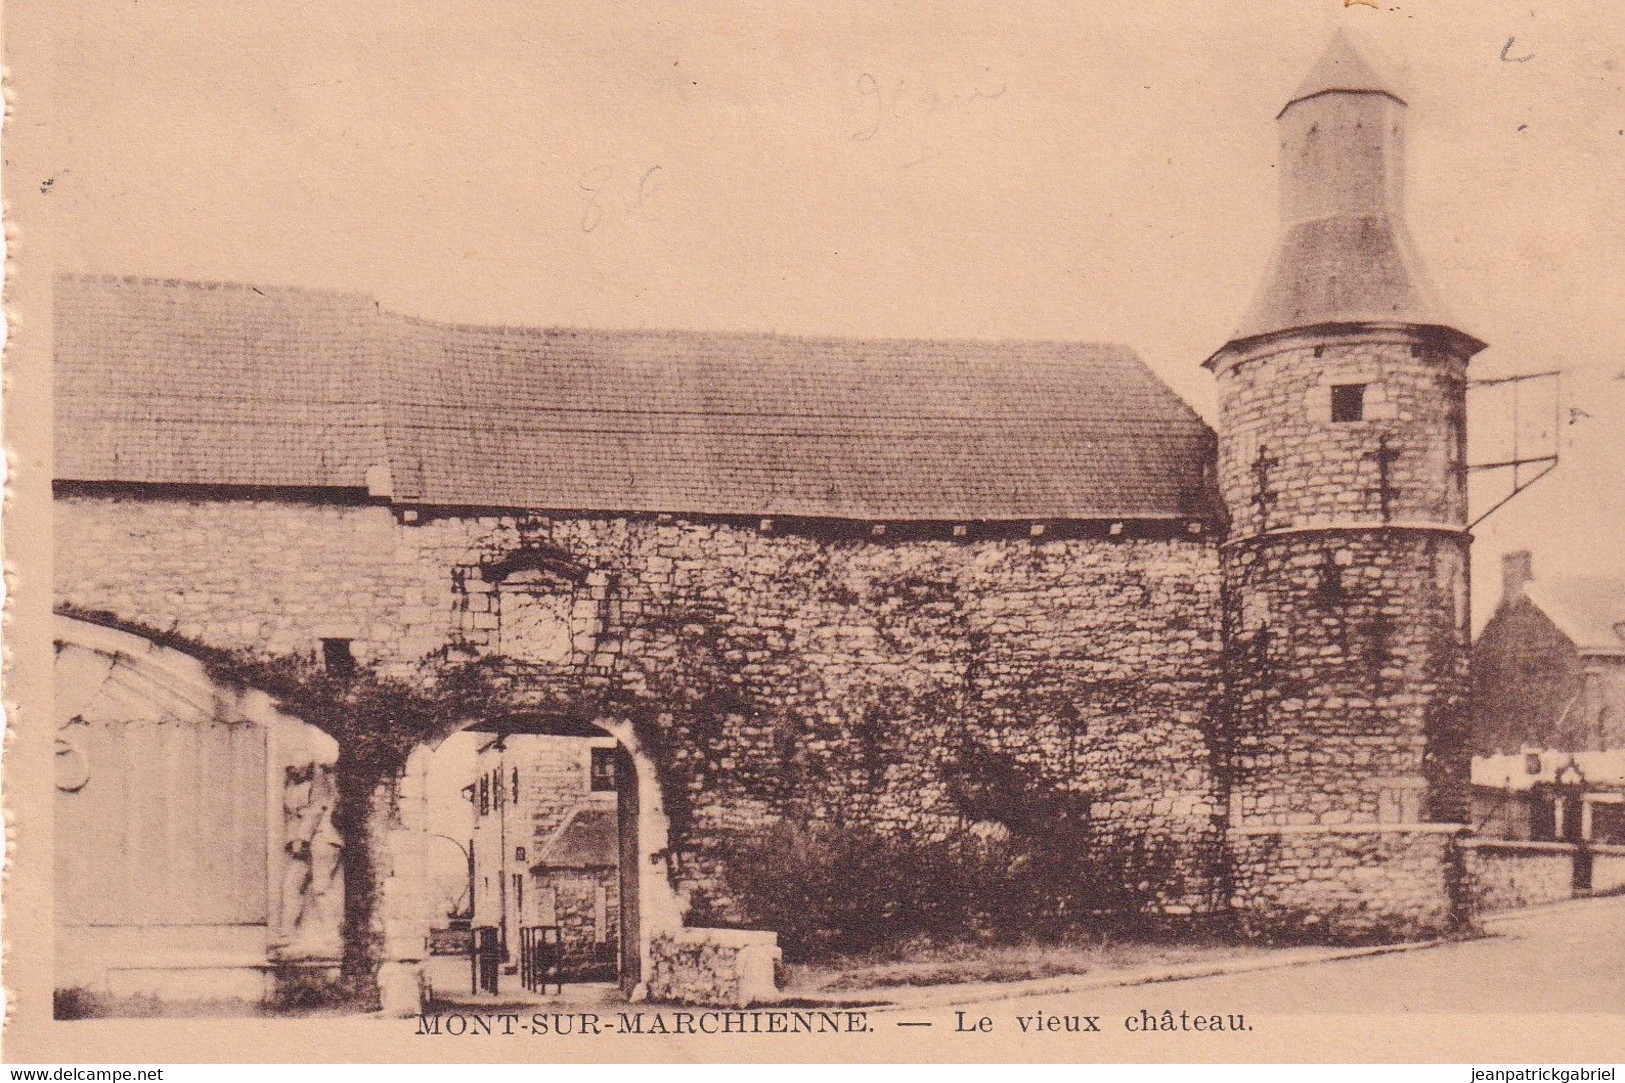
1385 457
1263 495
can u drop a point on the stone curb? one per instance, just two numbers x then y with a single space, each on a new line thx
1501 917
903 997
897 998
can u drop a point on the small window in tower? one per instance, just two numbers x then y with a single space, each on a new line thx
603 770
1348 402
337 658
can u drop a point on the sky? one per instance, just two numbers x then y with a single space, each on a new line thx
1063 170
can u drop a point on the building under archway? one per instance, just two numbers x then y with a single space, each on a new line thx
543 817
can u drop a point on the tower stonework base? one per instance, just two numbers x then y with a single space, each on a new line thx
1348 883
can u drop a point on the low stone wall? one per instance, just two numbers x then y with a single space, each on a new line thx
727 968
1607 869
1348 883
1507 873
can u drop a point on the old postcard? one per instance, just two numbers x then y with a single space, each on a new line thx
834 532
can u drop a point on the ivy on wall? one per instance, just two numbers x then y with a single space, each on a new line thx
376 722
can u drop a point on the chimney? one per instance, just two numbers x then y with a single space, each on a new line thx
1517 571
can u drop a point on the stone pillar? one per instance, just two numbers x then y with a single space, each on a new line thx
403 904
650 908
383 930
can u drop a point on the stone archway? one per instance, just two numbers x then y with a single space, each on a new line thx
327 830
400 835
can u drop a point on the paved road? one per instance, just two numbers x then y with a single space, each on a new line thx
1564 958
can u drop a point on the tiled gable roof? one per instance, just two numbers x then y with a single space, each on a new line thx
189 383
588 840
1589 610
309 389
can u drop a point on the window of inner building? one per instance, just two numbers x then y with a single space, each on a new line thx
1348 402
603 770
534 613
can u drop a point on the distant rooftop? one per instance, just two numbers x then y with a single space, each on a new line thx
1588 610
173 382
1512 771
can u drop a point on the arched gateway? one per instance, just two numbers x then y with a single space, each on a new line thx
646 906
198 856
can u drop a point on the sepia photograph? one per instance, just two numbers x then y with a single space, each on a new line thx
792 532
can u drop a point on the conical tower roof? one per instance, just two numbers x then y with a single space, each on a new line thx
1344 256
1341 68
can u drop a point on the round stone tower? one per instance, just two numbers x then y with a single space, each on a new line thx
1342 402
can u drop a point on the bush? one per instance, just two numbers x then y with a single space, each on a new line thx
76 1003
842 890
304 989
79 1002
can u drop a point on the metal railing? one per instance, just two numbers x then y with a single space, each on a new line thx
539 958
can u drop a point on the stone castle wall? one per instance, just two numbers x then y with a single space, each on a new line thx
857 671
1354 883
586 930
1508 875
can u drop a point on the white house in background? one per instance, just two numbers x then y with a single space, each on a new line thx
1548 796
